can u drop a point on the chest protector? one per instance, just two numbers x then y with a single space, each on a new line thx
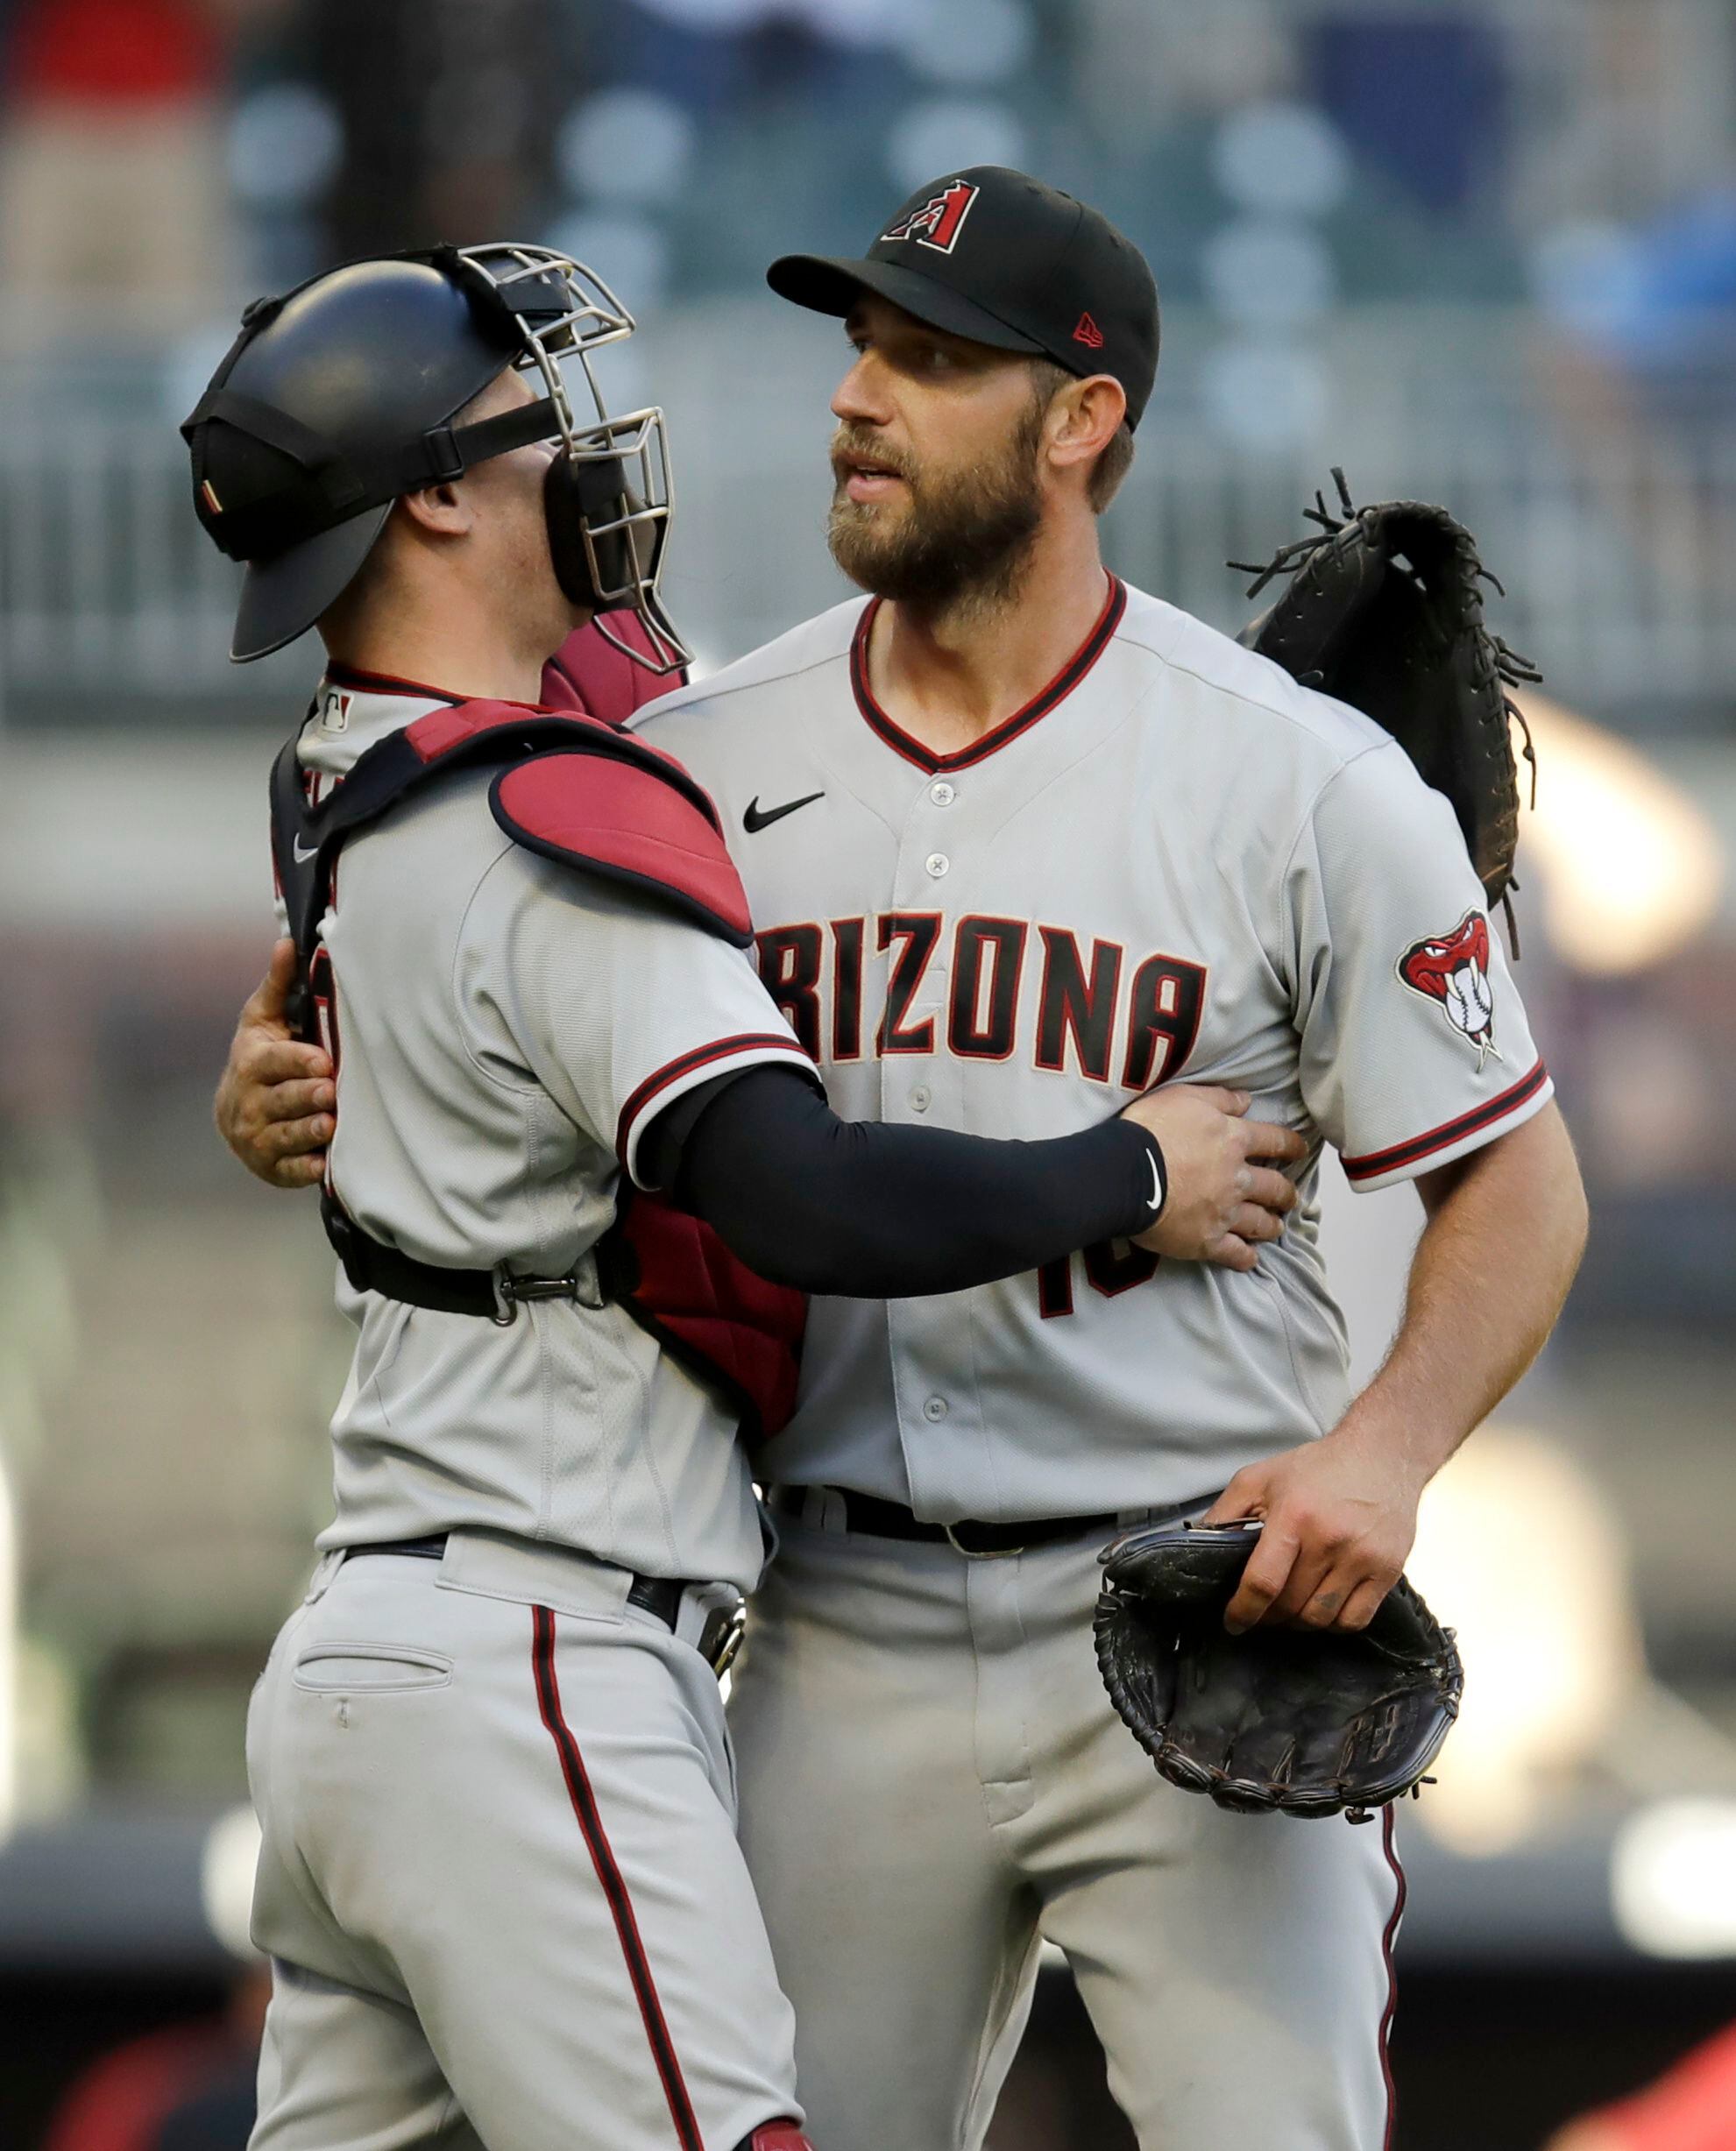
580 792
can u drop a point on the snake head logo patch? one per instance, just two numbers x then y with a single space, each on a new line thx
1452 970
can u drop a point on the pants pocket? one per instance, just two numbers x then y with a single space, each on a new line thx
329 1668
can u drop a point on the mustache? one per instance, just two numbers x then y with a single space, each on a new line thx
847 445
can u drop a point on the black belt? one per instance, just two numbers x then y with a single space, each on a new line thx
656 1595
891 1519
496 1295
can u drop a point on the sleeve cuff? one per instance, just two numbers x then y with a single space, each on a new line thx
722 1057
1455 1138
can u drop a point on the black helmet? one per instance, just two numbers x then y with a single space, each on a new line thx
337 399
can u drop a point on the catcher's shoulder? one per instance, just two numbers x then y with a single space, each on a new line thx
1251 697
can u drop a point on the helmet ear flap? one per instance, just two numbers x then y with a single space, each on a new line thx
594 539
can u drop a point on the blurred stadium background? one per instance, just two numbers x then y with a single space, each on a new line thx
1482 251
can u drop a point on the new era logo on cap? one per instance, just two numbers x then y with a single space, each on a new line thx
939 220
1088 334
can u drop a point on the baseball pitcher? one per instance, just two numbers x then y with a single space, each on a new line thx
1020 840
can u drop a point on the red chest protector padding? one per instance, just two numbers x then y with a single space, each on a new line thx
592 673
631 822
579 791
668 1268
720 1320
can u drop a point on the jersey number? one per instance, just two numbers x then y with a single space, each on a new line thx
1111 1268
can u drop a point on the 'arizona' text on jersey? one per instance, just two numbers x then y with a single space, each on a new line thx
1173 862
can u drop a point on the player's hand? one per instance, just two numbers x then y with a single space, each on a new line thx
1226 1195
1339 1517
276 1096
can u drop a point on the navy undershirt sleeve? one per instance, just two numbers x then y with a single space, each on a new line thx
865 1211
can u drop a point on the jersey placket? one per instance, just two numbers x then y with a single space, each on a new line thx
941 1424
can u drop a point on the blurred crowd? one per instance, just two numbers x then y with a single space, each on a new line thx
1274 160
1341 198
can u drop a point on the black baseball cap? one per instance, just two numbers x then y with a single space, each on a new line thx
997 256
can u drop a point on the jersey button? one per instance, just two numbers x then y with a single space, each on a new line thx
935 1408
937 863
921 1098
942 794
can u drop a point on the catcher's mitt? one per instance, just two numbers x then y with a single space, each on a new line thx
1385 612
1309 1722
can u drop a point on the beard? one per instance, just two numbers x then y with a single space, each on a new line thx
961 539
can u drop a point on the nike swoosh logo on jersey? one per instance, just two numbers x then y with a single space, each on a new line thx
753 821
301 856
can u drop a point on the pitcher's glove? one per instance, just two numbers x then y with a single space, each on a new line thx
1306 1720
1385 612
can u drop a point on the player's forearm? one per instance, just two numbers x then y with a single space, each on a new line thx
1505 1235
871 1211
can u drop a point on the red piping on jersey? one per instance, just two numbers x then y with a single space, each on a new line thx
1039 705
1387 1941
383 683
614 1887
1433 1139
701 1056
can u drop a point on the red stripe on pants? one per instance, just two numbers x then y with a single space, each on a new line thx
1386 1942
609 1875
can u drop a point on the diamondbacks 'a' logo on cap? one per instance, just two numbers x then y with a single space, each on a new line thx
939 220
1088 334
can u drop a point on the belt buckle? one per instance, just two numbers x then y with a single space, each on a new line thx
712 1618
512 1292
721 1638
979 1554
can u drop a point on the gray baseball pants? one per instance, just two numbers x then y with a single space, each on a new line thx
932 1783
501 1885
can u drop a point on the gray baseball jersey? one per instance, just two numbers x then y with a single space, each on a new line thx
499 1873
1175 861
508 1029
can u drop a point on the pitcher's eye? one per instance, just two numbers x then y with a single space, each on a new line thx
929 358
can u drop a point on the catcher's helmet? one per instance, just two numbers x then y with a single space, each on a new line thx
338 398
